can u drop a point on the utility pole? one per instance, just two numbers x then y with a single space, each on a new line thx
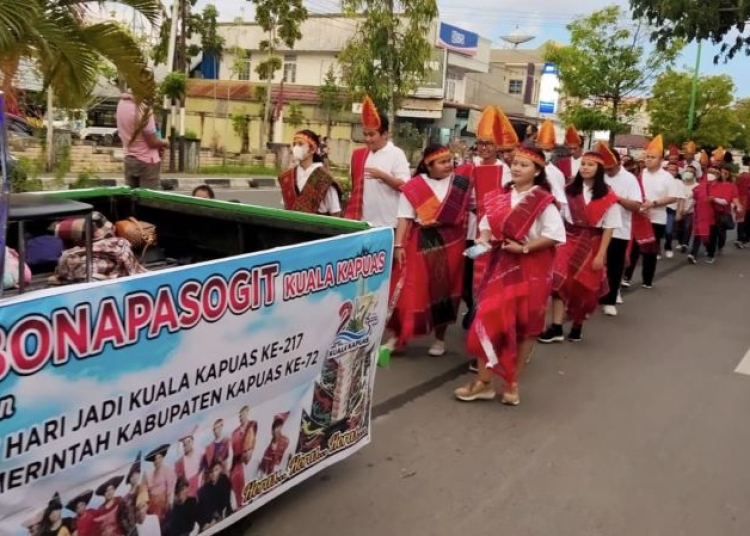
694 92
184 68
166 104
391 73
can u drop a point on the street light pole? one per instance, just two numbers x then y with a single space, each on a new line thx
694 93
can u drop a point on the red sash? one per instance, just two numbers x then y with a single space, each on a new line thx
575 280
566 166
513 298
357 195
426 289
643 231
704 214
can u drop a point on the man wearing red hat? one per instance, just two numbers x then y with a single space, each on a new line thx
378 171
629 198
546 141
574 142
659 190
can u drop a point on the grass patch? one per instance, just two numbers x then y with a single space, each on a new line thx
238 170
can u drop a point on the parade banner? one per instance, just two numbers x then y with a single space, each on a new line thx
179 401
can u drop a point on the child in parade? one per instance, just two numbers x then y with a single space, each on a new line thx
580 278
429 243
520 230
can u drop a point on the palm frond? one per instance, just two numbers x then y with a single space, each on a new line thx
17 20
151 9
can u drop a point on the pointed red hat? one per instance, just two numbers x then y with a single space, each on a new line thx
545 138
370 115
508 136
609 160
489 127
572 138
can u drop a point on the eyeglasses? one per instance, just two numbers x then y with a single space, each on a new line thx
485 144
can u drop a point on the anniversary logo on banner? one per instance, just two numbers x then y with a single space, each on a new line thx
180 401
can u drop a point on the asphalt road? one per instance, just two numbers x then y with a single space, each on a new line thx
642 429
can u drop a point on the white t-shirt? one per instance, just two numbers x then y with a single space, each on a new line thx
556 181
656 186
380 205
626 186
330 203
439 187
548 224
689 205
611 218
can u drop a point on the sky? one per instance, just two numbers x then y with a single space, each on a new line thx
545 19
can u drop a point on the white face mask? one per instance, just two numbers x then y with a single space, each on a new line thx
688 175
712 177
547 156
300 152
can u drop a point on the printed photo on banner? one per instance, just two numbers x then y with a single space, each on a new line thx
176 403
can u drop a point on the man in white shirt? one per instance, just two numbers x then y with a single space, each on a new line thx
659 190
546 141
629 198
378 171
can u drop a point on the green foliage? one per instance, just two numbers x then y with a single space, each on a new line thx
211 42
62 164
174 86
697 21
741 139
669 106
238 170
241 126
23 176
191 135
295 116
387 56
604 67
85 179
281 21
329 97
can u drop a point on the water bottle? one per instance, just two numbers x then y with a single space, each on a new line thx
477 250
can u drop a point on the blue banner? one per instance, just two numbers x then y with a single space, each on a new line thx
458 40
179 401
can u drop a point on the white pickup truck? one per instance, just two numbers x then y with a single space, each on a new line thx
103 135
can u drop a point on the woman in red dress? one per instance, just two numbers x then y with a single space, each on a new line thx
580 277
521 228
430 240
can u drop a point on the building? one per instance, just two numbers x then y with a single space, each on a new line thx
432 107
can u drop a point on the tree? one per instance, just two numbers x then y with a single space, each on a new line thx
697 21
387 56
741 138
241 125
329 98
296 115
281 20
211 42
604 68
669 106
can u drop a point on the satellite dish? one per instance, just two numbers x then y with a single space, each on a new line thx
516 37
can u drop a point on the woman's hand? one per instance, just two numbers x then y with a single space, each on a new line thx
400 255
598 263
511 246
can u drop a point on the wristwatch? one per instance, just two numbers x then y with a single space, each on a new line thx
525 249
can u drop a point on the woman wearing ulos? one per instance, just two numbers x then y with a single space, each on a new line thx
580 278
520 230
308 186
429 244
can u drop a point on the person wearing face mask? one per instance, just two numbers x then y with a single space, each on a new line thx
429 245
519 233
579 277
669 232
686 209
308 187
713 202
659 190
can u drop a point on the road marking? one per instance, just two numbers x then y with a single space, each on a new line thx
744 366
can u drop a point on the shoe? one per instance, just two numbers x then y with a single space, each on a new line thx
619 298
576 334
691 259
745 245
474 366
626 283
476 390
437 349
738 244
610 310
511 396
391 344
658 257
669 254
647 287
710 260
552 334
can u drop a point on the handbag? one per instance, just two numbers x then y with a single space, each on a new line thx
140 234
726 221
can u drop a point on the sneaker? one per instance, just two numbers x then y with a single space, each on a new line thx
619 298
511 396
647 287
669 254
476 390
610 310
437 349
474 366
626 283
552 334
691 259
391 344
746 245
738 244
658 257
576 334
710 260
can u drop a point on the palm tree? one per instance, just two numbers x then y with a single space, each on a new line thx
67 46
